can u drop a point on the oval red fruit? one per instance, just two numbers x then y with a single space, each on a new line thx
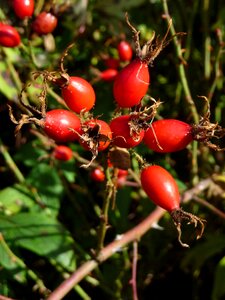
121 132
44 23
61 125
79 94
23 8
97 175
108 75
125 51
9 37
168 135
63 153
160 187
131 84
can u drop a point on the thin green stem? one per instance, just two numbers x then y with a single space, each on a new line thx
21 264
187 92
11 164
218 72
181 69
194 163
104 216
13 71
207 40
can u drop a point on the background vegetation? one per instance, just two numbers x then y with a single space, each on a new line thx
50 210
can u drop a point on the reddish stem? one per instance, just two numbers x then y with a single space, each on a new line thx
131 235
134 270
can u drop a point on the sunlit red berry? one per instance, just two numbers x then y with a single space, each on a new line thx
9 36
168 135
23 8
131 84
123 136
79 94
97 174
63 153
44 23
61 125
125 51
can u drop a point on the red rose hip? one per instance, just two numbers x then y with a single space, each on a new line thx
9 36
23 8
78 94
131 84
61 125
168 135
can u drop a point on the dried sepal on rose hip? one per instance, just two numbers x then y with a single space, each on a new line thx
162 189
171 135
77 92
94 135
132 82
61 125
129 130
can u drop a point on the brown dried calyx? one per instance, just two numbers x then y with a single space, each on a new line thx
179 216
154 46
204 131
142 117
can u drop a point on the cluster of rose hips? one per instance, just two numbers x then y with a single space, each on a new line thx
131 124
43 23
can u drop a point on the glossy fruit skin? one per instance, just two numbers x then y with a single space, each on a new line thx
44 23
61 125
104 129
23 8
125 51
63 153
79 94
9 37
108 75
122 173
97 175
172 135
131 84
160 187
121 133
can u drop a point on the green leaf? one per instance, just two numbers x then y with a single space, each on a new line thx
14 199
197 256
9 261
40 234
46 181
6 85
29 154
